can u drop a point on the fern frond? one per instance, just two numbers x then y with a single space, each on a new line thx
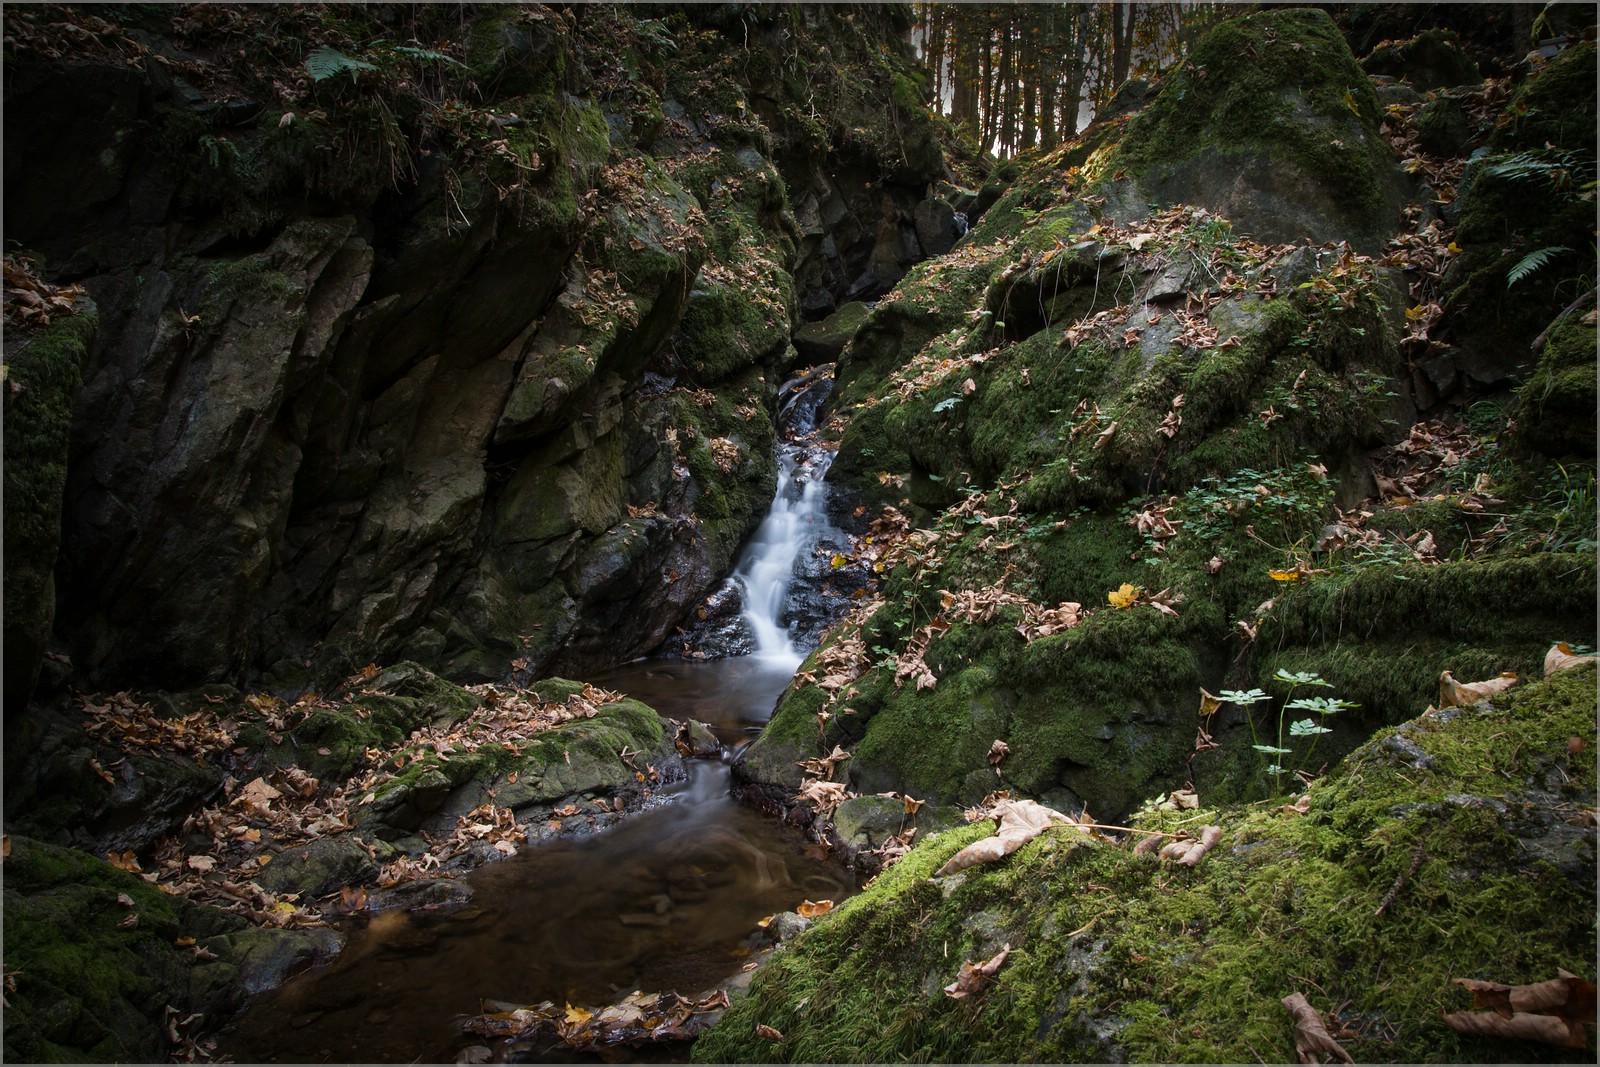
412 52
327 63
1533 261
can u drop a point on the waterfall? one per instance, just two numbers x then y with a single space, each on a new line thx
795 525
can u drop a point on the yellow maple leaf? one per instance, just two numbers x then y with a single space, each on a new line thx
1123 597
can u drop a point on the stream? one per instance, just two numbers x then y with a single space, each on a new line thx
668 899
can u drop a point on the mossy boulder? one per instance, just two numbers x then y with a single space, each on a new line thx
1270 121
43 373
1433 59
618 753
1439 850
94 985
1556 406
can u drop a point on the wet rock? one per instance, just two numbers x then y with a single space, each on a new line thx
786 925
323 865
695 740
937 227
428 893
264 959
821 342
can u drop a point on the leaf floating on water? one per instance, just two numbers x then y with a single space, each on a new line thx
972 976
1312 1042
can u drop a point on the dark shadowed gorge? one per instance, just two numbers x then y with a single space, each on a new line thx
625 495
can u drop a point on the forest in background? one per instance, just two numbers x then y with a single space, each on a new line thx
1016 77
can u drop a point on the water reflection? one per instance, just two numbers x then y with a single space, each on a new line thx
669 899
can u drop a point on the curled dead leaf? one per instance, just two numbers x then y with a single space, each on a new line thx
973 975
810 909
1453 694
1312 1042
767 1032
1562 658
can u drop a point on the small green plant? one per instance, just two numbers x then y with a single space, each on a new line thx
1321 706
1533 262
327 63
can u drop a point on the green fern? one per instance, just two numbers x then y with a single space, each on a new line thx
1533 261
327 63
427 54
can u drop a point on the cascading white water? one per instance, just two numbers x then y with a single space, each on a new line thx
797 521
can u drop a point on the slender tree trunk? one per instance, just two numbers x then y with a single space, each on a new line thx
1121 42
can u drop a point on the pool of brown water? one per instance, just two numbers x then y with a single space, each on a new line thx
668 899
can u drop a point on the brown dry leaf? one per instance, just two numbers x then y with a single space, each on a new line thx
126 861
202 863
1020 822
1301 805
1561 658
1453 694
1522 1026
258 795
973 975
810 909
998 752
1189 853
1566 1001
1312 1042
1208 704
765 1031
823 766
5 847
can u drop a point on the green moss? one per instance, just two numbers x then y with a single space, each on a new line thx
1300 101
88 990
1555 106
1399 879
43 373
1556 406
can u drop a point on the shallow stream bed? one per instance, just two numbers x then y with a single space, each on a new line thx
667 900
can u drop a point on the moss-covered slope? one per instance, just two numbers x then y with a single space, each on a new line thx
1459 844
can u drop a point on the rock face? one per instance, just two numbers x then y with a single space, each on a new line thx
491 386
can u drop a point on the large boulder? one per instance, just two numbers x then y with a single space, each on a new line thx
1269 121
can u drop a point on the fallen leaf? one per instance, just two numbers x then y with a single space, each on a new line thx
810 909
1453 694
1020 822
973 975
998 752
1190 853
1312 1042
763 1030
126 861
1561 658
202 863
1124 596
